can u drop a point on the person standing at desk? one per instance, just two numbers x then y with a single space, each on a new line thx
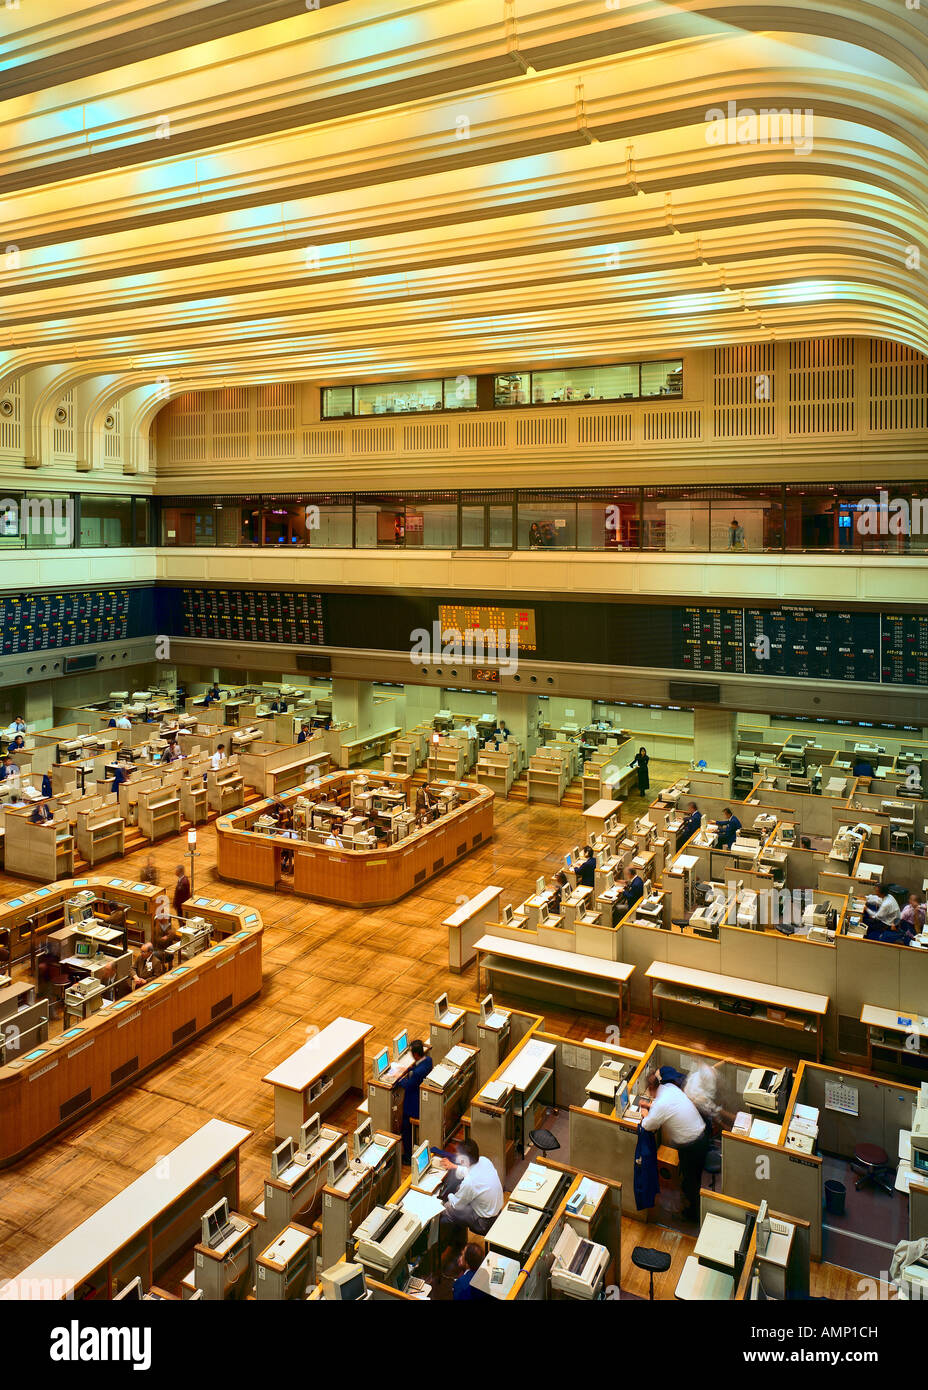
218 758
557 892
691 822
684 1129
119 776
303 734
863 768
409 1084
728 828
502 733
181 889
332 841
163 934
475 1193
586 869
640 762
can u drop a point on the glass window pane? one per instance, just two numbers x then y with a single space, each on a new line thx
675 523
329 527
749 522
380 524
11 536
460 392
192 524
501 527
546 524
662 378
337 401
586 384
511 388
106 521
472 524
611 524
433 525
397 397
142 521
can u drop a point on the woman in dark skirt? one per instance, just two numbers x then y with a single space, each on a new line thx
640 761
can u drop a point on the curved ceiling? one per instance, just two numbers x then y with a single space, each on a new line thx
197 193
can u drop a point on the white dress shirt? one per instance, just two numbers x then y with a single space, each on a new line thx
217 759
14 729
123 722
480 1189
888 910
676 1115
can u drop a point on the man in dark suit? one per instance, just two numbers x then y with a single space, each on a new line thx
692 821
728 828
586 869
409 1084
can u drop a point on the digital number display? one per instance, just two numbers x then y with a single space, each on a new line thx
476 621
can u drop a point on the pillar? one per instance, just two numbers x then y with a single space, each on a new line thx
353 703
715 737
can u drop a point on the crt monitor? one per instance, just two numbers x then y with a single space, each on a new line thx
400 1045
338 1164
344 1283
381 1062
919 1160
213 1222
621 1098
133 1290
420 1162
83 948
441 1007
567 861
611 825
486 1008
543 912
87 914
282 1157
540 884
309 1132
576 853
363 1135
507 913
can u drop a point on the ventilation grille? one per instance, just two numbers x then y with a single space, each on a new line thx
821 386
187 420
660 425
276 420
421 438
230 423
898 387
11 417
125 1070
605 429
220 1006
324 443
71 1107
373 439
481 434
63 438
743 391
112 435
184 1031
537 429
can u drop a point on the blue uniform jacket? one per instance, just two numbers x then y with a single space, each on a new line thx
410 1086
586 872
647 1182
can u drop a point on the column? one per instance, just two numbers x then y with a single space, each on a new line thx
715 737
353 703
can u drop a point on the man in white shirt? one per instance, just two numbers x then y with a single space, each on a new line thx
123 722
218 757
332 841
475 1193
684 1129
881 908
18 726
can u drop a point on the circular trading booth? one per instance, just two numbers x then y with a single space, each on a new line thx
355 838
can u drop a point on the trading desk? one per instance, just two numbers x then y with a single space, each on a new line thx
318 1074
352 877
540 972
71 1073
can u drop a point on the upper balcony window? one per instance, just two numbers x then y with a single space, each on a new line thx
400 397
627 381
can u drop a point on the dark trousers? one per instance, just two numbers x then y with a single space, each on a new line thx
643 782
692 1161
406 1136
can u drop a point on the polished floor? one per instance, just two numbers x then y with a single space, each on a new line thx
384 967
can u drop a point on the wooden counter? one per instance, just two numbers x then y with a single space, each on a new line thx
318 1074
354 878
76 1070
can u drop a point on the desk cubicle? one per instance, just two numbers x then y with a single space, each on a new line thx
73 1071
146 1227
31 917
354 878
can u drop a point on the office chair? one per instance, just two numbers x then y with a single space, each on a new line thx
654 1261
872 1163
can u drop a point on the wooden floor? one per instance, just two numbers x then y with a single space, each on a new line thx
384 967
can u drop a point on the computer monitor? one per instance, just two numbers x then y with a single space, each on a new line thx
213 1222
83 948
381 1063
621 1098
309 1132
282 1157
338 1164
567 861
647 888
441 1007
363 1135
344 1283
87 916
609 877
400 1045
133 1290
919 1160
507 913
543 913
576 853
486 1008
420 1162
611 825
540 884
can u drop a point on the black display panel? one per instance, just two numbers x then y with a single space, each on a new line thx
803 642
253 616
45 622
708 639
904 646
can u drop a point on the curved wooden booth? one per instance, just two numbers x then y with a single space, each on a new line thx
65 1076
353 878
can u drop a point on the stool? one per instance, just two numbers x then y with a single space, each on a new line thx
654 1261
713 1166
543 1139
872 1163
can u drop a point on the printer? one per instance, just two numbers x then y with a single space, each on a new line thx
579 1266
920 1132
386 1236
767 1089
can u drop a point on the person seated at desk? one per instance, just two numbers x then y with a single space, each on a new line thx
332 840
41 814
863 768
475 1194
304 733
409 1083
18 726
556 893
106 976
147 966
728 828
163 936
913 914
691 822
684 1129
181 890
122 722
501 733
633 890
586 869
880 912
219 757
890 933
469 1261
17 745
119 776
9 769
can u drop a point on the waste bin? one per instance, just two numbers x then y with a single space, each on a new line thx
835 1193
